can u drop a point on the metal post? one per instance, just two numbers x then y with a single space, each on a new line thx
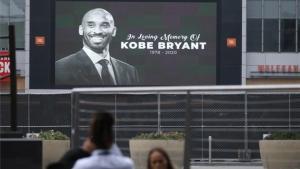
202 126
115 114
74 119
246 124
279 26
289 111
297 16
209 149
186 161
28 112
262 26
13 81
158 114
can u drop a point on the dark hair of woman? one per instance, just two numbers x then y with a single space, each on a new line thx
164 154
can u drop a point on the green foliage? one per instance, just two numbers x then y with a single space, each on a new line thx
52 135
161 136
283 136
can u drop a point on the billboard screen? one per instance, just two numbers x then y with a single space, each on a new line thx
99 43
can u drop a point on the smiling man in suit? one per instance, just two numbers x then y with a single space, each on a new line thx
93 65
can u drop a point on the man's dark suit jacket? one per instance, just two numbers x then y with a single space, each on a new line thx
78 70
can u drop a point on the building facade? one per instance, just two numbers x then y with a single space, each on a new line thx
270 39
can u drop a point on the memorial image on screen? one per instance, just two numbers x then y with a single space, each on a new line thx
99 43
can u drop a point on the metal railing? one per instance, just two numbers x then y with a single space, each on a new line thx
235 116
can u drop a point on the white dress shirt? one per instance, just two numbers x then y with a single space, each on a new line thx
95 58
105 159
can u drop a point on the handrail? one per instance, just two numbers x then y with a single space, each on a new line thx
190 88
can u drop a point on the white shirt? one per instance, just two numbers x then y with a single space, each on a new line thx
101 159
95 58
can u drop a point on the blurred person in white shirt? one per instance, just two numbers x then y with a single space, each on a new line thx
106 154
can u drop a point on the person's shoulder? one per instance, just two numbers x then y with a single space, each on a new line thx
114 161
124 162
82 163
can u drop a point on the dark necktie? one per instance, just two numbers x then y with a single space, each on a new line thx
105 75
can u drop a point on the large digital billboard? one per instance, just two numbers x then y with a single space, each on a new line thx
101 43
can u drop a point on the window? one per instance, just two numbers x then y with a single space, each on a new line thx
271 35
288 9
288 25
13 12
288 35
279 32
254 35
298 9
298 35
271 9
20 34
3 32
254 8
271 25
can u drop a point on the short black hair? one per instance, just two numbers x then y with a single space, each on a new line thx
101 132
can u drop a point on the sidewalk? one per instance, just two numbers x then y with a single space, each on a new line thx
255 164
227 167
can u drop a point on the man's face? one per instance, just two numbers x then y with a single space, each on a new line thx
97 29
